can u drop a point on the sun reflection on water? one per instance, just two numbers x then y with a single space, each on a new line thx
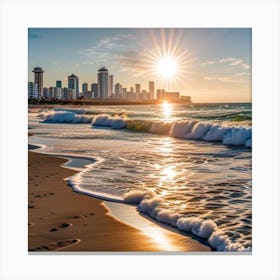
167 109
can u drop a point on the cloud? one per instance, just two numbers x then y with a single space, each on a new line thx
209 62
236 62
228 59
220 79
245 66
107 48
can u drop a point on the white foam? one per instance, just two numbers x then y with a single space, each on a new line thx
207 229
136 196
65 117
192 130
108 121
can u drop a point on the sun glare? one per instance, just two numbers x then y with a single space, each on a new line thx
167 67
167 109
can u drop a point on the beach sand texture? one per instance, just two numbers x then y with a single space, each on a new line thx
62 220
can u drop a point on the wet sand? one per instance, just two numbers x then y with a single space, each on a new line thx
62 220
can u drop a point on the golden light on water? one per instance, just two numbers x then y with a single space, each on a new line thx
167 109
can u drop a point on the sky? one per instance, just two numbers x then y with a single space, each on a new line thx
209 64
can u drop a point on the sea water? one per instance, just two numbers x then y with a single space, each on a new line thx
188 166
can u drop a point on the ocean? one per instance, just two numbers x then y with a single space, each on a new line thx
187 166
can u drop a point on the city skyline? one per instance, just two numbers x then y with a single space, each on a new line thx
212 65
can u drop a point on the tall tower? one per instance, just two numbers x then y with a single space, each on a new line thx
102 78
73 83
38 79
58 84
137 90
84 88
151 90
110 85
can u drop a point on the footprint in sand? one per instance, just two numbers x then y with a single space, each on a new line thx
61 226
83 216
54 246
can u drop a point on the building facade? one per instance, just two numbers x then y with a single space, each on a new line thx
84 88
118 91
94 90
110 86
32 90
151 90
58 84
39 80
73 83
102 78
137 90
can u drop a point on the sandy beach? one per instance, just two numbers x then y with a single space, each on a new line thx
62 220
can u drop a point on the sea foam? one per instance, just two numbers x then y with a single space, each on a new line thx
189 129
151 204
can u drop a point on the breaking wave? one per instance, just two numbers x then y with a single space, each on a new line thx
148 202
225 133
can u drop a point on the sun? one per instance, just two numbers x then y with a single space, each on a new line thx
167 67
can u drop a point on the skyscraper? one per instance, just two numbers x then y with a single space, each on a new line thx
151 90
84 88
137 90
110 85
38 79
94 90
102 78
118 91
73 83
58 84
32 90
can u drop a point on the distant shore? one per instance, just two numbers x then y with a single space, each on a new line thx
102 102
62 220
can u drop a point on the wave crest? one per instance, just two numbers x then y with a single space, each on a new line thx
148 202
191 130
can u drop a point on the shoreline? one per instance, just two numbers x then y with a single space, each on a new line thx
62 220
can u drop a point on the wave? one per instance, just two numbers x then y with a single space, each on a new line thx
224 133
191 130
148 202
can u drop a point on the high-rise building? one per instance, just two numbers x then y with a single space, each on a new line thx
131 89
110 85
151 90
67 93
124 93
138 90
94 90
118 91
58 84
84 88
102 78
39 80
32 90
46 92
73 83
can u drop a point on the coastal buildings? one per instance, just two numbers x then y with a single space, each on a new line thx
137 90
94 90
32 90
110 85
73 83
102 78
84 88
152 90
58 84
103 89
39 80
118 91
168 96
